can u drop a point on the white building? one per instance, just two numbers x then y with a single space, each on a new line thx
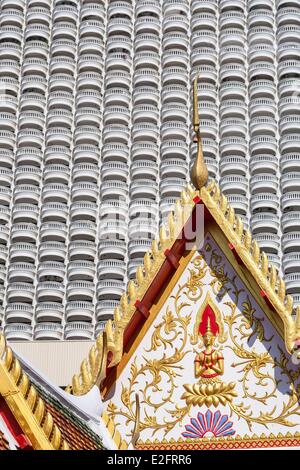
94 123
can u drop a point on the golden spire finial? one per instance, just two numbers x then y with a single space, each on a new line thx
199 173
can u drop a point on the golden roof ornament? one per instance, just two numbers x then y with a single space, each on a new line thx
199 173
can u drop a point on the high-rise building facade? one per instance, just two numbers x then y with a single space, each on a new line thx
96 141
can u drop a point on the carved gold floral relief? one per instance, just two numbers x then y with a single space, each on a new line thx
171 339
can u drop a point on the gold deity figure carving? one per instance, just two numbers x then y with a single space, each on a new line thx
209 363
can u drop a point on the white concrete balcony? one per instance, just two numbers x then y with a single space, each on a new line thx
118 115
84 211
145 96
172 57
80 290
288 16
174 75
232 37
234 164
61 118
239 203
289 68
95 10
118 97
26 174
143 188
49 312
264 222
105 309
232 90
26 194
174 112
233 146
263 126
118 61
24 213
227 54
51 271
289 105
118 170
234 185
87 135
116 229
111 290
292 283
263 201
147 42
261 35
114 208
116 43
90 46
86 154
176 168
19 252
55 212
55 193
138 247
50 291
166 206
177 94
53 231
290 162
200 19
18 332
290 182
7 139
20 292
85 192
232 109
59 136
290 242
87 80
289 124
142 228
143 207
147 24
143 150
262 88
264 163
79 311
172 187
290 143
79 331
111 269
291 263
5 196
268 242
233 127
264 183
232 19
81 270
115 133
290 221
83 231
143 169
111 249
117 78
87 172
60 99
8 120
82 250
18 313
19 272
152 60
90 63
233 72
262 107
111 189
287 87
4 234
52 251
48 331
95 28
65 13
147 7
7 158
174 130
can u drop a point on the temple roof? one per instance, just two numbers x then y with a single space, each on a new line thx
159 264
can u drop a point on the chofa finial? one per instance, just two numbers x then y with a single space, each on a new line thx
199 173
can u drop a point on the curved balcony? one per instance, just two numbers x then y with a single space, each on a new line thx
85 192
172 187
234 185
55 193
290 162
110 289
265 222
80 290
25 213
86 154
17 332
20 292
52 251
143 207
105 309
79 311
48 331
81 270
290 221
50 291
112 269
51 271
54 212
144 169
49 312
79 331
111 170
53 231
291 263
292 282
83 231
82 250
264 201
146 150
290 182
289 143
290 242
18 313
233 164
20 272
86 172
108 249
264 183
137 248
270 243
264 164
117 209
84 211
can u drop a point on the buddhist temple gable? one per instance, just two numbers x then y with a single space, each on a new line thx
162 261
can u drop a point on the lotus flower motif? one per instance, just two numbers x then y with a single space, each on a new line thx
209 425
